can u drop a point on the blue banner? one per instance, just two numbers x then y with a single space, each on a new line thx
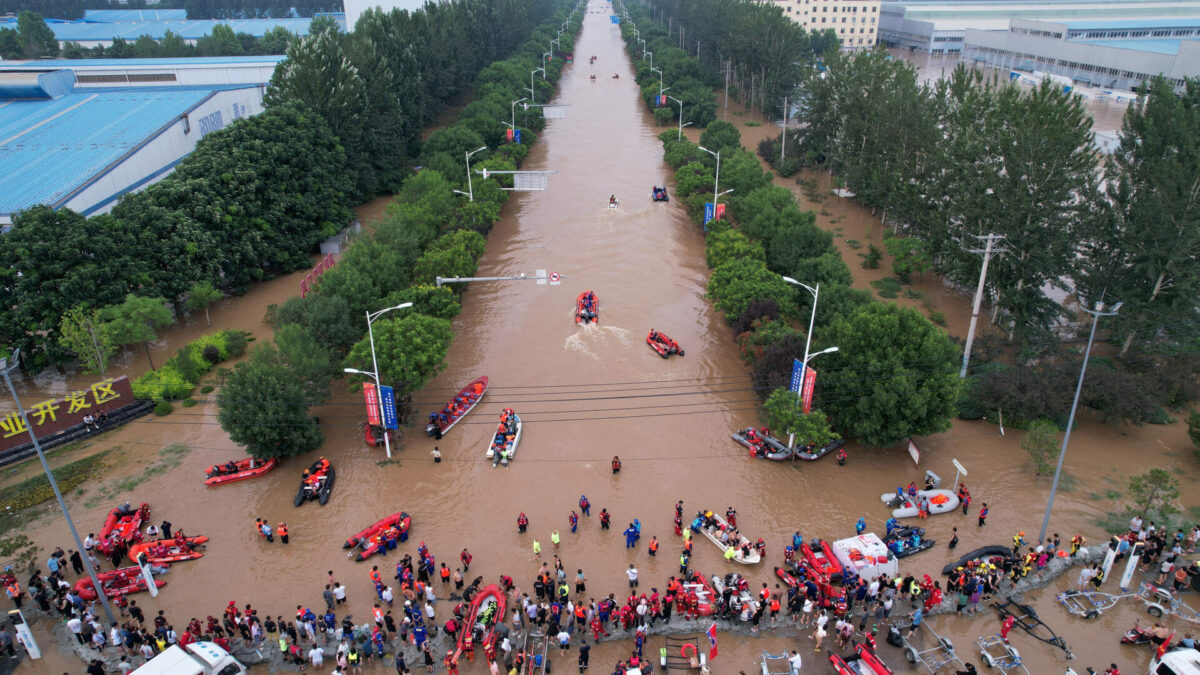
614 18
797 376
388 397
708 212
517 135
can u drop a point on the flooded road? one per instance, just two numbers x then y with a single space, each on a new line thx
587 394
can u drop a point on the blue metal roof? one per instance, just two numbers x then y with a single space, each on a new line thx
126 63
42 84
1164 46
89 31
50 148
133 14
1131 24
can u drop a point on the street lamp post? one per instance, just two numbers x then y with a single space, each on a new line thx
470 193
1096 314
544 55
816 293
650 54
660 80
57 494
513 124
532 91
716 178
681 125
371 316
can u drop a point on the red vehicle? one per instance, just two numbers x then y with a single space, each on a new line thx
124 523
220 474
167 551
365 538
116 582
663 344
468 397
821 560
863 662
479 612
587 308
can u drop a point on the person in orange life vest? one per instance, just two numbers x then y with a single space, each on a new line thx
324 464
283 532
445 573
616 464
604 519
653 545
841 457
231 611
375 576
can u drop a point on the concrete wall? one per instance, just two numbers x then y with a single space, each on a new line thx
154 159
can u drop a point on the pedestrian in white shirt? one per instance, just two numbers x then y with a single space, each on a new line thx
632 573
794 659
387 595
317 656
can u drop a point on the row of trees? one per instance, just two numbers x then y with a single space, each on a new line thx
894 373
222 41
196 9
970 155
31 39
426 231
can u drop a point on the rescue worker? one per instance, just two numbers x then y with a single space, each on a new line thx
522 523
283 533
616 464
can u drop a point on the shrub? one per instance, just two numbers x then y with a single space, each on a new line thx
163 408
206 389
211 354
188 402
872 257
36 489
166 383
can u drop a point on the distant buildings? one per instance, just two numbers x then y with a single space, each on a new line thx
101 27
81 133
856 23
1114 44
355 8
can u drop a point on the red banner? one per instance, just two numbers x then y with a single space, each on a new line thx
50 417
372 403
806 392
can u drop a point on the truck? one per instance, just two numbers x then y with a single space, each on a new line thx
197 658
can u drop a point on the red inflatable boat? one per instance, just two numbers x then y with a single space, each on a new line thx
458 407
116 582
219 474
862 663
366 539
167 551
373 435
663 344
821 560
123 523
585 313
706 597
478 613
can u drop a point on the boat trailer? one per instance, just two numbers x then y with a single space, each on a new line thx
1027 620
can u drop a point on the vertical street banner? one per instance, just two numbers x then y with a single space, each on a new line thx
388 396
797 379
806 393
372 398
516 135
709 213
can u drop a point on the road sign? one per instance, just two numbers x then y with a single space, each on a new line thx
388 397
959 467
914 452
554 278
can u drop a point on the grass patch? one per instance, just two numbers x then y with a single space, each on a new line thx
752 123
13 544
938 318
854 243
168 458
1193 512
913 294
1113 522
188 402
1114 495
206 389
887 287
36 489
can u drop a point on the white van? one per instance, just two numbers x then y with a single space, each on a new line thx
1177 662
198 658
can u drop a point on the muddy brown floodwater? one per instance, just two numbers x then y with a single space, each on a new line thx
586 394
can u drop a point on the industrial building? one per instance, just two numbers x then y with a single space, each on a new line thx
72 143
937 27
101 27
856 22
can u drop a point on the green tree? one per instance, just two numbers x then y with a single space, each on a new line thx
721 136
82 333
785 412
201 295
455 254
909 255
326 317
315 367
263 404
410 350
222 41
1154 492
37 40
895 375
1042 443
1194 428
737 283
138 319
723 245
1147 241
10 43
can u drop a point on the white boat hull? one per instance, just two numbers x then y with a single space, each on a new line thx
752 559
909 509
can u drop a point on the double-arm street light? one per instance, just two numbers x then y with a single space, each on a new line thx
470 193
716 177
660 80
371 316
816 293
532 91
513 123
681 124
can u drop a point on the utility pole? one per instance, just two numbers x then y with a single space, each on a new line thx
727 65
783 149
987 256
